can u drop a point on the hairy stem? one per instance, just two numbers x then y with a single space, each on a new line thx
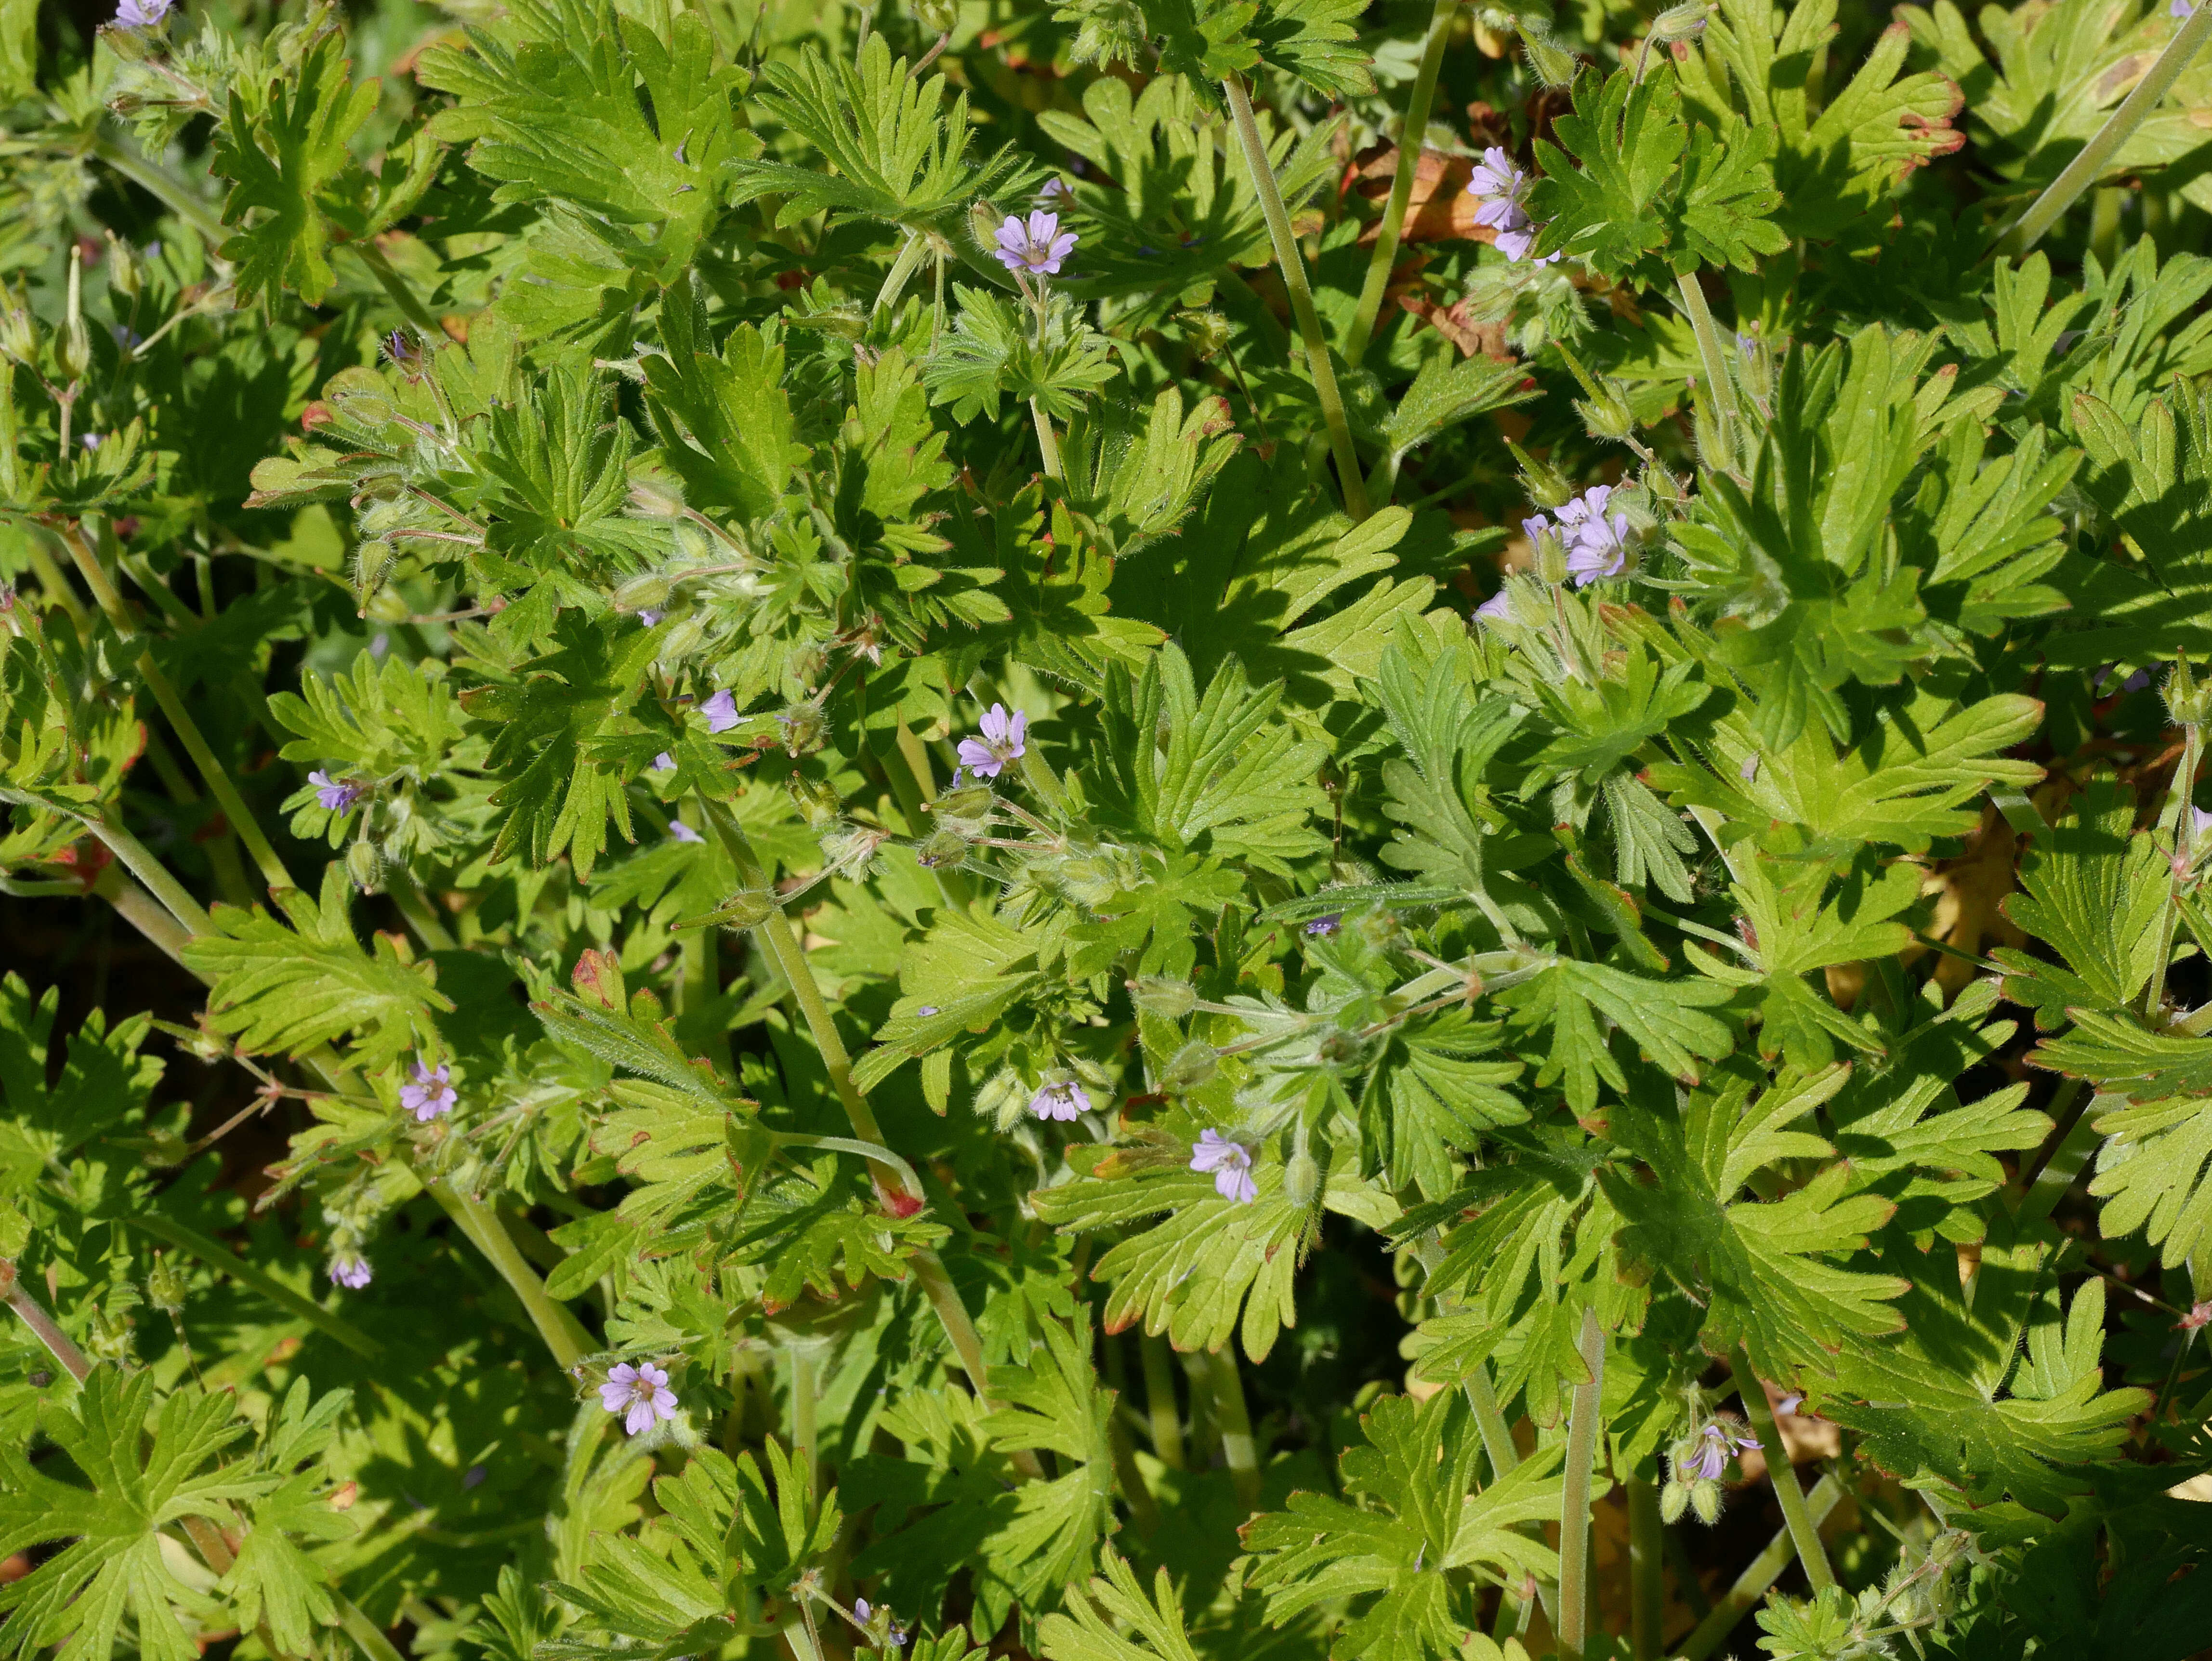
1722 384
43 1326
217 776
2176 816
562 1333
140 861
1385 257
805 1438
1751 1584
1226 1388
372 1643
1505 1459
1293 260
1647 1569
1804 1532
1160 1410
139 909
1571 1618
1048 445
790 957
2082 171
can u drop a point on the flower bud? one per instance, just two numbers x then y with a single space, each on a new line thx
1608 416
748 908
387 606
1705 1500
2188 699
1157 994
1551 557
642 594
1673 1501
937 16
1208 332
365 866
805 728
968 803
941 848
818 802
1686 21
1338 1048
1546 485
1301 1178
1191 1067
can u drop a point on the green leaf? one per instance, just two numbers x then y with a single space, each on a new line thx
1088 1631
291 989
1422 1518
284 149
994 352
1767 1270
725 422
1666 1019
2095 894
113 1566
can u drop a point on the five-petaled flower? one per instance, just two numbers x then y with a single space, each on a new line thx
641 1393
1710 1457
720 711
141 14
664 763
1062 1101
335 795
1326 925
350 1270
1230 1164
1501 187
683 832
1596 541
1003 741
1038 246
430 1095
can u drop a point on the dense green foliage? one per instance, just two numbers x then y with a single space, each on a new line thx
1124 830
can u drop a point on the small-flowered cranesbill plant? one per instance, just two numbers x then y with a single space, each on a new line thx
968 836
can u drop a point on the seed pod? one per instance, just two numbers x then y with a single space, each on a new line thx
941 848
1673 1501
1301 1178
365 866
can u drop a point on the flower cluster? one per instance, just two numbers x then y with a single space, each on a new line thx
1501 185
1694 1467
1596 541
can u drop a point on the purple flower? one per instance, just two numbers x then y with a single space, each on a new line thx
1061 1101
141 14
2200 822
1002 742
2180 8
927 1009
349 1271
1711 1453
683 832
1230 1164
1501 187
664 763
650 619
1749 771
1498 607
861 1610
90 441
1038 246
1324 925
430 1094
1600 550
720 711
1055 190
1788 1406
335 795
643 1390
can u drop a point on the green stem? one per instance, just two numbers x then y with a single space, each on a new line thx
1722 384
1226 1386
416 910
1160 1410
1293 260
1571 1619
894 280
873 1151
47 1330
215 775
2175 817
139 858
139 909
1804 1532
806 1437
220 1257
1048 445
2082 171
1751 1584
372 1644
169 193
790 957
1504 1458
1647 1572
1385 257
402 293
562 1333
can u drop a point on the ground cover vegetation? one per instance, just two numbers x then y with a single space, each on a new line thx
1110 830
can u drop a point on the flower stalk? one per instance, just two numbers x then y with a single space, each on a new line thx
1571 1619
1758 1575
1804 1532
1291 258
1225 1386
2082 171
1385 257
